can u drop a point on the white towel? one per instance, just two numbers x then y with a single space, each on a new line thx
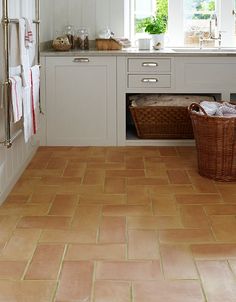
14 54
24 54
227 109
35 84
218 109
29 38
15 71
210 107
27 109
16 98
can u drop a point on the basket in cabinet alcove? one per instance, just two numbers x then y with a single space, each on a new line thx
163 116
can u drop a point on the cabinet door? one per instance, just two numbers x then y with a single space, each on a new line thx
81 101
205 75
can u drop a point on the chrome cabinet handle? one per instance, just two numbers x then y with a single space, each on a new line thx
149 64
81 60
150 80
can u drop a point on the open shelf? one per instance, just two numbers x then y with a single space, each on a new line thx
133 140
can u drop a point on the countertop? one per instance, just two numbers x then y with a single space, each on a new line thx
177 52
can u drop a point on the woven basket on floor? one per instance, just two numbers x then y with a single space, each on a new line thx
162 122
216 144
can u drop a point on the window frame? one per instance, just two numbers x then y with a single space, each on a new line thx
226 22
133 36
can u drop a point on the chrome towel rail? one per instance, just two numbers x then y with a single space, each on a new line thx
9 137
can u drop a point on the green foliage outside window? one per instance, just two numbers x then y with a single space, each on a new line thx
204 6
162 14
156 24
162 7
199 5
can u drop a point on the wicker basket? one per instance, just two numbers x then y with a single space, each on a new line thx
163 116
162 122
216 144
61 44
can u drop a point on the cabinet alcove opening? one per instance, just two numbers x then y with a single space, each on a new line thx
131 131
233 98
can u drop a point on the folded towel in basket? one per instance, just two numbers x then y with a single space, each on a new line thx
179 100
224 109
210 107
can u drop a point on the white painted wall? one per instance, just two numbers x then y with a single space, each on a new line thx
96 14
93 14
14 160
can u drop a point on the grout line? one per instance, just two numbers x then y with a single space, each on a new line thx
55 292
11 233
126 191
131 292
213 234
201 282
62 260
31 258
93 281
30 198
126 240
159 253
72 218
85 170
208 220
60 271
230 268
51 205
150 200
99 224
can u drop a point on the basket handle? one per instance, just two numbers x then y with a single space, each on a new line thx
195 106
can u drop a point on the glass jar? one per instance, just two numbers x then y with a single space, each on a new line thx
70 33
83 38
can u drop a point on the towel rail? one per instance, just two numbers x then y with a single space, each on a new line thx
17 21
9 137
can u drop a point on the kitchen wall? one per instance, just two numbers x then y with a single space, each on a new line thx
14 160
93 14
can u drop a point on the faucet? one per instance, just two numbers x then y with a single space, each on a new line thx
211 36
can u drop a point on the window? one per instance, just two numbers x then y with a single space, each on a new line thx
198 15
141 11
188 20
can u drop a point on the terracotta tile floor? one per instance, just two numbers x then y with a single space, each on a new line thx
118 225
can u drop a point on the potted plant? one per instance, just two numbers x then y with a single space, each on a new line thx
156 27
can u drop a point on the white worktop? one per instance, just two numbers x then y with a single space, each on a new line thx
177 52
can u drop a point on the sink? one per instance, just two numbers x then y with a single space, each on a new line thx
204 50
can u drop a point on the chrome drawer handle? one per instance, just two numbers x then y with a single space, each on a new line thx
81 60
149 64
150 80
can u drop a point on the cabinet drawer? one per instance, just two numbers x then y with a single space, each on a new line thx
149 65
149 81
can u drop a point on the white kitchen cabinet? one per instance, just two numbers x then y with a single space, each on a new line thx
81 101
206 75
213 75
149 65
